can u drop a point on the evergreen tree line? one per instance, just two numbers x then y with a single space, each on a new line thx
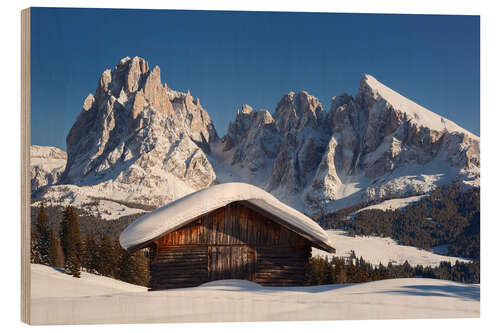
87 222
67 249
448 215
356 270
46 248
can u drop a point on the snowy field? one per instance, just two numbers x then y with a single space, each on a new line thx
87 198
383 250
50 282
60 299
393 204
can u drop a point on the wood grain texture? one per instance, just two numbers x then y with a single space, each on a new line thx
25 166
232 242
178 267
234 224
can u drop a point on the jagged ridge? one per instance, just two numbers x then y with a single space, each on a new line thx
137 140
375 145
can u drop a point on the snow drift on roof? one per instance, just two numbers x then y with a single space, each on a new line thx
184 210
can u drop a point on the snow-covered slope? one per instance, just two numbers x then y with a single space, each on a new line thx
419 114
376 250
237 300
50 282
393 204
106 205
47 165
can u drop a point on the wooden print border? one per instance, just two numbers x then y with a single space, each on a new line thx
25 165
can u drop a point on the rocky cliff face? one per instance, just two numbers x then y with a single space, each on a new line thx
374 145
138 141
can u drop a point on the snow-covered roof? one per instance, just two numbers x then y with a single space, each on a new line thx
186 209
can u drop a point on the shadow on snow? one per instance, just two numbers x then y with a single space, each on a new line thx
466 292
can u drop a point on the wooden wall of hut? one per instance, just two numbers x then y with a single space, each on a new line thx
234 242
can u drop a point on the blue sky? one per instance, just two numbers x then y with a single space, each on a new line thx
232 58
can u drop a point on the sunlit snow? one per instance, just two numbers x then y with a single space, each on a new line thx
238 300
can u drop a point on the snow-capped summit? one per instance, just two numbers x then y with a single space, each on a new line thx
137 140
419 114
375 145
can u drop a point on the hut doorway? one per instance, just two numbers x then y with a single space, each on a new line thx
231 262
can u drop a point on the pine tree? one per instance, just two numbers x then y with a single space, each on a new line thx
35 249
133 268
342 274
106 263
41 238
72 265
77 237
56 256
93 253
340 271
60 254
116 255
52 248
125 267
330 274
407 270
70 241
86 255
382 271
351 271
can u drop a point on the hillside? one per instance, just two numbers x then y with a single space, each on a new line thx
449 215
393 204
47 165
383 250
50 282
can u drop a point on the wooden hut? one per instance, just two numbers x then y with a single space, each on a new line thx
227 231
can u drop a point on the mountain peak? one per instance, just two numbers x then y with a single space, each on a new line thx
296 110
371 91
134 119
246 109
125 146
135 61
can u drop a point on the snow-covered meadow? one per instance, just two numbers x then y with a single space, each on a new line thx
61 299
394 204
48 282
383 250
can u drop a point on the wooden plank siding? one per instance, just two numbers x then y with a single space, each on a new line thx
178 267
233 224
231 262
232 242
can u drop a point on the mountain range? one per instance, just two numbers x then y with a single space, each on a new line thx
137 142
